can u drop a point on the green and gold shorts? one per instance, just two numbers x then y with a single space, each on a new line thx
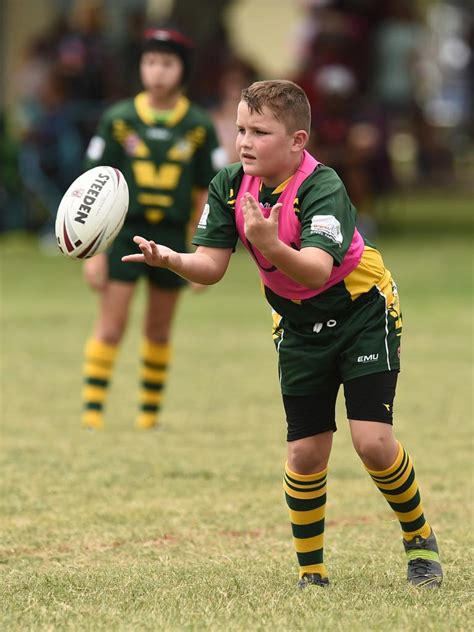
313 358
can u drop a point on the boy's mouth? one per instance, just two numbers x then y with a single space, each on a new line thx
246 156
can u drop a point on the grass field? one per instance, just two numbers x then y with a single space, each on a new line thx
186 528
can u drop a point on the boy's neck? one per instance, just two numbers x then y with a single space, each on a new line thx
286 174
167 102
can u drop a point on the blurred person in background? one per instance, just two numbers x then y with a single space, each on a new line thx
51 150
349 133
85 62
167 149
130 50
396 50
444 91
236 75
14 210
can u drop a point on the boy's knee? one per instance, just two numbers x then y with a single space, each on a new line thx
377 451
368 447
305 456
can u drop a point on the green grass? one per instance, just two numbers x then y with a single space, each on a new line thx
186 529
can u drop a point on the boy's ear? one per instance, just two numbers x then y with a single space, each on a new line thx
300 138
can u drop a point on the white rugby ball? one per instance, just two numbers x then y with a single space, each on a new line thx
92 212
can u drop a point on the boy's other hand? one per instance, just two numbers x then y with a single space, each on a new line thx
153 254
95 271
262 232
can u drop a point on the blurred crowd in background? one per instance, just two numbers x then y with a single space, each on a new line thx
391 86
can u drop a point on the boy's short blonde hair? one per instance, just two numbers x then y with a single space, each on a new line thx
287 101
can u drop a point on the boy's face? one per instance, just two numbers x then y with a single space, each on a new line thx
264 145
161 73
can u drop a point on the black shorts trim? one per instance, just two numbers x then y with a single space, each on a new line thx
368 398
308 415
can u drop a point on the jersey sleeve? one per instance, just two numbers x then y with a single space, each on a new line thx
216 227
326 213
103 148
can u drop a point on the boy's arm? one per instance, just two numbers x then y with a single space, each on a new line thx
206 265
309 266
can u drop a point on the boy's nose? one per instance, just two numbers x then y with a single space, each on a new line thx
245 141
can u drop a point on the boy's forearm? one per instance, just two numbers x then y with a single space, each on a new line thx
311 267
200 267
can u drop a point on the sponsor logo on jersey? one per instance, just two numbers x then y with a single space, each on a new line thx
205 214
328 226
158 133
373 357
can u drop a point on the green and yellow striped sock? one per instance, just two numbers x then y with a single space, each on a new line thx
306 500
153 374
399 487
99 359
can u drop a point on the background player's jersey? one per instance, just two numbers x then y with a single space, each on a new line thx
162 161
327 219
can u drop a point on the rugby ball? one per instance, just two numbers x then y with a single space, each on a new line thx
91 212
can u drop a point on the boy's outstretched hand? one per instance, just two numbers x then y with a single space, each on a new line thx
153 254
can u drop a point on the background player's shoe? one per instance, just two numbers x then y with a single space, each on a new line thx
424 566
312 579
92 420
147 421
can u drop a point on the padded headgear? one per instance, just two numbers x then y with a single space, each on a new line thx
170 41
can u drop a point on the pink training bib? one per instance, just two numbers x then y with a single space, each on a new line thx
289 232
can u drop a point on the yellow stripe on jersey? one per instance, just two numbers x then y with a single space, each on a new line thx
145 112
152 199
129 139
148 174
281 187
154 215
370 271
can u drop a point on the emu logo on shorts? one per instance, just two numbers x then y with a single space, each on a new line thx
373 357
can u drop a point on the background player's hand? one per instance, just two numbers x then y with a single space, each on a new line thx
96 272
261 231
153 254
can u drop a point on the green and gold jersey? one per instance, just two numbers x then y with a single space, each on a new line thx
163 159
321 197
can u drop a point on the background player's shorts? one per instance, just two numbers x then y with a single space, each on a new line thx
315 359
167 234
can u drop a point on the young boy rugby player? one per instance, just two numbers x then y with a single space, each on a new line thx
336 315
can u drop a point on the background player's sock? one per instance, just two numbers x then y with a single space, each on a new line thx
155 360
306 500
399 487
99 359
